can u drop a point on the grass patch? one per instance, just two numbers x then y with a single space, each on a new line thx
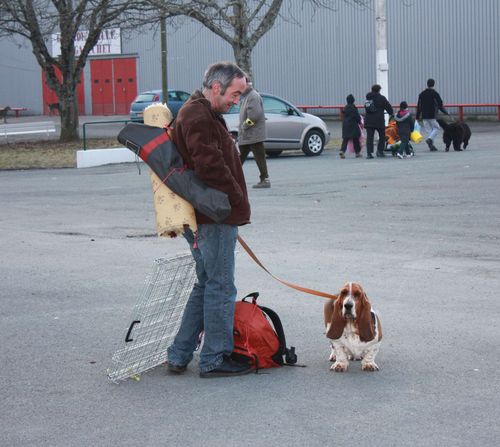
48 153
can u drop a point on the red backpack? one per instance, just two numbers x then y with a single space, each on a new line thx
255 340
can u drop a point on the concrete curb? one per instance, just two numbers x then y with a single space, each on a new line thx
98 157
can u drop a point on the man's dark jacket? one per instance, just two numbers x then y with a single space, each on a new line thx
206 146
376 119
429 102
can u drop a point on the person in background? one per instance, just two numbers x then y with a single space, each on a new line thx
405 124
350 127
208 148
428 104
376 104
252 132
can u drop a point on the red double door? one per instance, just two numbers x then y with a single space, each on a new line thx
114 85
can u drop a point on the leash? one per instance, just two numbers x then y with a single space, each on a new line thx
286 283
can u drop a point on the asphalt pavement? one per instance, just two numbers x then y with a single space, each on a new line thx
421 235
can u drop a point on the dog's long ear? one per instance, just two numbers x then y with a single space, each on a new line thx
366 324
337 323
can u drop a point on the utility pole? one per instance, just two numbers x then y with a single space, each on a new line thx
163 37
381 46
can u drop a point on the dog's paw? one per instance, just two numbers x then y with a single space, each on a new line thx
332 357
339 367
370 367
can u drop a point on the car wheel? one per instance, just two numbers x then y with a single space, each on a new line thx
314 143
273 154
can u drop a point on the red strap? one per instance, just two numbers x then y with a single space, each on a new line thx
146 150
169 173
286 283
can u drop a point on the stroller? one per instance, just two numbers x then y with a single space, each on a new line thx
392 139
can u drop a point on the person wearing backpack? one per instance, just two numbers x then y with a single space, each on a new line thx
350 127
375 106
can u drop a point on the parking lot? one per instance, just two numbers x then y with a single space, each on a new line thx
421 235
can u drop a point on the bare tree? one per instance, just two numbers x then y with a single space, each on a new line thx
37 20
241 23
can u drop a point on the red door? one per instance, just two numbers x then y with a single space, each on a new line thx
101 76
125 84
114 85
50 100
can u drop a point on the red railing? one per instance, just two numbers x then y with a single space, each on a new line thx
460 108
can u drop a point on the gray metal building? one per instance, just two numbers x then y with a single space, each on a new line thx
317 58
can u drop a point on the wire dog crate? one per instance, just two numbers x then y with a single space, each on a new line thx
156 317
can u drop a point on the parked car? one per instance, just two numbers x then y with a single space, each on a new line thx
176 98
287 127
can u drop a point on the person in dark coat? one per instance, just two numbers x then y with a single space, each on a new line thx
374 121
405 124
428 104
350 127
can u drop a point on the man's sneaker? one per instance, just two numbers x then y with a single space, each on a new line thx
228 368
358 155
263 184
409 155
176 369
342 155
369 156
399 155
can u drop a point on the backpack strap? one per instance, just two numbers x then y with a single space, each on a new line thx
289 353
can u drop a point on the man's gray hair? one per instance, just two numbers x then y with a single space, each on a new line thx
222 72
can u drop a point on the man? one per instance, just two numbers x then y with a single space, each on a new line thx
375 121
207 147
252 132
429 102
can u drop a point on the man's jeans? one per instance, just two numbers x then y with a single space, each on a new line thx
431 127
210 306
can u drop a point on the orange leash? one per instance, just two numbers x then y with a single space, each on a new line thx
286 283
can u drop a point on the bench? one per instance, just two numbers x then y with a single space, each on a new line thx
6 109
46 127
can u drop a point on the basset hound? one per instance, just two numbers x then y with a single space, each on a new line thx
353 327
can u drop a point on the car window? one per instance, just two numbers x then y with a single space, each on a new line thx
183 96
234 109
273 105
172 96
145 97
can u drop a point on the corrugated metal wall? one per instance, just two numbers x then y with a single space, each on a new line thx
20 75
330 54
456 42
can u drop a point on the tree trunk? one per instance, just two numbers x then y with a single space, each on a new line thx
69 115
243 57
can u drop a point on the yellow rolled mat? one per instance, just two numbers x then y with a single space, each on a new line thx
173 213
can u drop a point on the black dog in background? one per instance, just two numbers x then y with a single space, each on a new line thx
456 133
54 107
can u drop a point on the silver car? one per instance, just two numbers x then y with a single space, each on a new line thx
287 127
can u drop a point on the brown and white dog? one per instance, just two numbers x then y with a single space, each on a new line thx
354 329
